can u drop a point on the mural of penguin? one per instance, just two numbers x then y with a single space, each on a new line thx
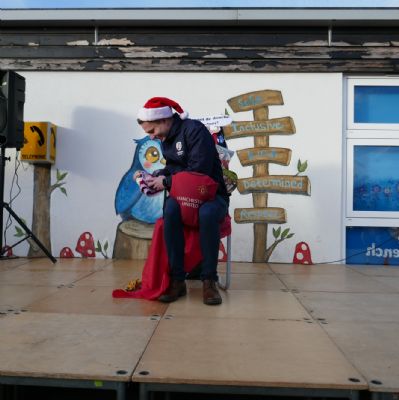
130 202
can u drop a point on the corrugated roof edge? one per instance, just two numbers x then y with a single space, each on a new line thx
207 16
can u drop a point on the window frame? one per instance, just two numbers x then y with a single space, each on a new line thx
374 218
362 130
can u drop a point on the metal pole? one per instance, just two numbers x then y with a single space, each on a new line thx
95 35
121 391
226 284
354 395
2 166
143 395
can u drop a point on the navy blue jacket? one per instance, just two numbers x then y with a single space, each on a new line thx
190 147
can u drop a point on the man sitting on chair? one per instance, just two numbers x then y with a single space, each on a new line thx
186 146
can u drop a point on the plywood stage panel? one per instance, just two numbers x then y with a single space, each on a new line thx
122 264
241 304
12 263
380 270
116 276
373 347
96 301
348 282
391 281
247 352
65 264
41 278
362 307
286 269
20 296
70 346
246 268
256 282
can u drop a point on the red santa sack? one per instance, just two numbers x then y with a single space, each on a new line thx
188 188
155 276
191 190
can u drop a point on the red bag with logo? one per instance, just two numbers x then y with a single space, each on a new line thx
191 190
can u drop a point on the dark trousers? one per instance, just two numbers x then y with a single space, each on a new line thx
211 214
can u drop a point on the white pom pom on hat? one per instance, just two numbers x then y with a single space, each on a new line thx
159 108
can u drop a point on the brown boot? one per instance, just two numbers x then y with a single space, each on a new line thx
210 293
175 290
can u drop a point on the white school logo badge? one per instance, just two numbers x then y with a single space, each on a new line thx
179 149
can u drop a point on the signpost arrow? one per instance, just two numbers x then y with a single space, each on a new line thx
254 100
258 155
276 126
275 184
265 215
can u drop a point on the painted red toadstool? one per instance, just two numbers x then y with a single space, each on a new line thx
85 245
302 254
66 252
7 251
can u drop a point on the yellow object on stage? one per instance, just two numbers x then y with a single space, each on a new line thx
40 140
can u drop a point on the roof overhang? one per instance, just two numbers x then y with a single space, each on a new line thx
202 17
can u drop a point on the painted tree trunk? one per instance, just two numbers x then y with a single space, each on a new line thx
41 208
260 199
270 250
133 240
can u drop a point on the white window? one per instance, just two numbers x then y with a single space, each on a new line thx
372 171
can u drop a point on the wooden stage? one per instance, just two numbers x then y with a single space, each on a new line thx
282 330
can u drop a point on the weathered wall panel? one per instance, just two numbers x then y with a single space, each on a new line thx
167 65
348 50
180 52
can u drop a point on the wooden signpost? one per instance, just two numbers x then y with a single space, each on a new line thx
259 157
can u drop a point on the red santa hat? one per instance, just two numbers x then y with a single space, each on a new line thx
159 108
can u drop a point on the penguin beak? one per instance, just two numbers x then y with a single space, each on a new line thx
163 161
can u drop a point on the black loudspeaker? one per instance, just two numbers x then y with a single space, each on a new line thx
12 99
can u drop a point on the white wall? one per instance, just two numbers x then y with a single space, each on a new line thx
95 112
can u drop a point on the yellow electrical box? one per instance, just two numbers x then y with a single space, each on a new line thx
40 140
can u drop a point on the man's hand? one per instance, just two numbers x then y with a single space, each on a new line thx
156 183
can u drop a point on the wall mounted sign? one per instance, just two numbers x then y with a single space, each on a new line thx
216 120
40 140
372 245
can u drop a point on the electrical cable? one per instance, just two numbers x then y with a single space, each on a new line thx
15 181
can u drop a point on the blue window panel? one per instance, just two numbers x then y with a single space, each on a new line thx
376 178
377 104
371 245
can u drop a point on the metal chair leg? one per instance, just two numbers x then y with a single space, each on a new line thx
226 284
